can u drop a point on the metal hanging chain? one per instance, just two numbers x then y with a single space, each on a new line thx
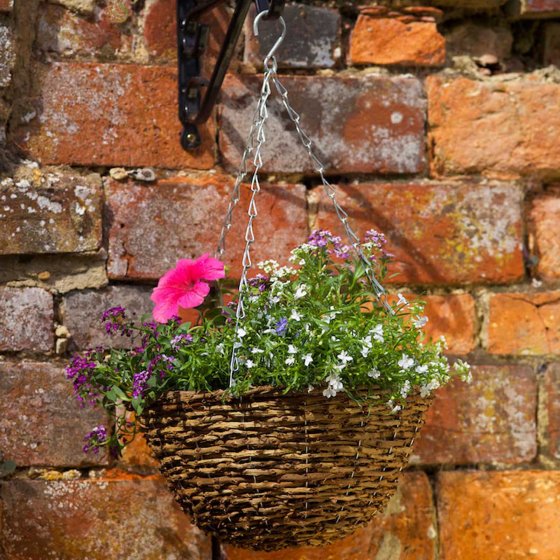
256 140
330 191
270 67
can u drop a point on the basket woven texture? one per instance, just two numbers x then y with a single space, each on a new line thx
270 471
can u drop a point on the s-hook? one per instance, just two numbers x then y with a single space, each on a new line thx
195 106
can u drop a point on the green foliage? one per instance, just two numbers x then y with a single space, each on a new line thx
318 324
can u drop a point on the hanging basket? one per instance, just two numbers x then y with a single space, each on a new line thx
273 470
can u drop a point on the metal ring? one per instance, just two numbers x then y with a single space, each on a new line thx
278 41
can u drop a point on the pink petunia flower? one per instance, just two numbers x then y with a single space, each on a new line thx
185 286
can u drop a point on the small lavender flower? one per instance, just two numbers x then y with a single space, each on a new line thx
139 383
95 439
180 340
260 281
319 238
114 320
342 251
281 326
80 371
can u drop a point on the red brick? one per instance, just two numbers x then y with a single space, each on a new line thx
319 25
26 319
406 531
491 420
499 515
6 5
82 310
524 323
41 422
494 127
65 33
137 456
97 519
60 215
153 226
109 114
160 35
441 233
476 40
396 40
452 316
534 8
545 217
360 124
549 417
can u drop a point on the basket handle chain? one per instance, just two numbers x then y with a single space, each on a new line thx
255 141
330 191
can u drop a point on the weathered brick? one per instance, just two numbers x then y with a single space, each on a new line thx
146 238
523 323
320 26
549 417
534 8
26 319
82 310
494 127
401 39
41 422
137 456
405 531
452 316
476 40
61 215
7 55
60 273
160 35
86 7
360 124
499 515
491 420
440 233
545 218
97 519
65 33
6 5
109 114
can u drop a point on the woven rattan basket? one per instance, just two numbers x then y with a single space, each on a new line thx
270 471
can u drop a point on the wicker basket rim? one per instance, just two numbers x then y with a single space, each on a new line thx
272 391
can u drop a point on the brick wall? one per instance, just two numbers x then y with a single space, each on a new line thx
440 124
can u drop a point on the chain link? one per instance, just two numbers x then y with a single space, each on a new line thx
255 141
257 138
330 191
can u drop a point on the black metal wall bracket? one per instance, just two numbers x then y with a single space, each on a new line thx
195 104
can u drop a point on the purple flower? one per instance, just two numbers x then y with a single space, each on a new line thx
95 439
80 371
324 238
114 320
281 326
319 238
139 383
342 251
260 281
180 339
